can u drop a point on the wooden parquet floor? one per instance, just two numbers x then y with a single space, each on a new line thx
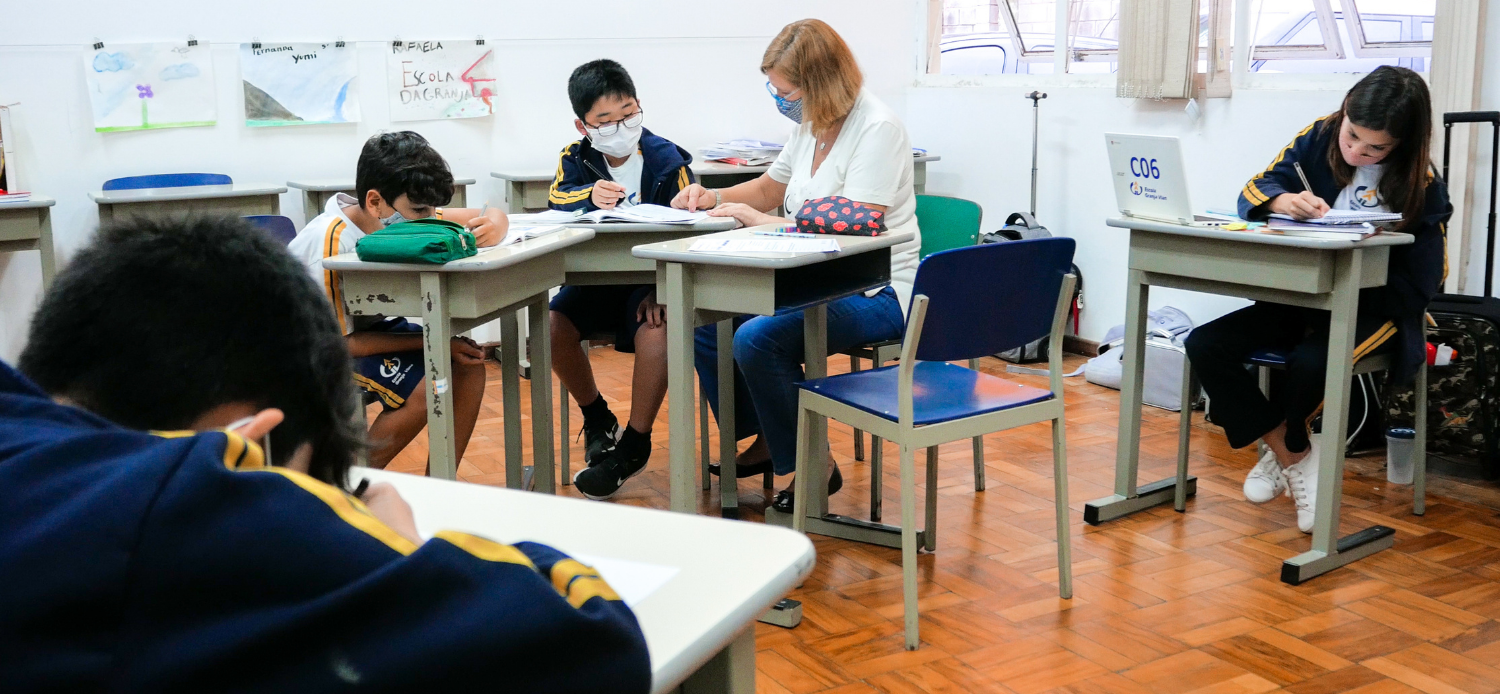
1164 602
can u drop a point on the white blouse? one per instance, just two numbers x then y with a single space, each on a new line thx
871 162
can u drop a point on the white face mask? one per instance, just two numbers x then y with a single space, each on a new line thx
395 218
621 143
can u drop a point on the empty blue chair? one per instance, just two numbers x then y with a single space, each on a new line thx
280 228
966 303
173 180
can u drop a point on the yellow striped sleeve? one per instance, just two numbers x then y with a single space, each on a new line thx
579 582
488 550
349 509
683 180
560 197
331 283
1252 193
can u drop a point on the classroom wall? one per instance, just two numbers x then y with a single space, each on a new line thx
695 64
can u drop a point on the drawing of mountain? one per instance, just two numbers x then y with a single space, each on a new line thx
260 106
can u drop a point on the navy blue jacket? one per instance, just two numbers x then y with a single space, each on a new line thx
135 562
1416 272
664 171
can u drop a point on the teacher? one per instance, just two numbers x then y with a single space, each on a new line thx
846 143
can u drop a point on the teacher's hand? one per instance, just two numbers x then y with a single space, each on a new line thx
693 198
747 215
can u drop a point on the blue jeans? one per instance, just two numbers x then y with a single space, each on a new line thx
768 353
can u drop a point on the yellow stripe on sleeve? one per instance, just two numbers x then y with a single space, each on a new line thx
579 582
331 282
1255 195
349 509
488 550
564 198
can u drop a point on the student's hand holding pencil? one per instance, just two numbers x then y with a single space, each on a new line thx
388 506
1303 205
607 194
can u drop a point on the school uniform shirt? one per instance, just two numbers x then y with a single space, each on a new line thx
179 562
1363 192
870 162
327 235
628 174
1415 272
664 171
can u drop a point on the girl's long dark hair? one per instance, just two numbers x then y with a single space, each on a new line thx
1395 100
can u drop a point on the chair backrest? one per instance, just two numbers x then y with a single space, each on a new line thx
947 222
280 228
990 298
172 180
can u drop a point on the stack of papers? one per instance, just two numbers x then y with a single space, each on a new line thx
742 152
1341 217
640 214
1320 229
521 232
13 197
768 245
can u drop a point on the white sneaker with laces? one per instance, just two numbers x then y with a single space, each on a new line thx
1265 481
1302 484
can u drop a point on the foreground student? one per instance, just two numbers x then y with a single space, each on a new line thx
1370 155
399 177
179 561
617 163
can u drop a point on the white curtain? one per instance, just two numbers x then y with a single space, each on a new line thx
1457 43
1158 49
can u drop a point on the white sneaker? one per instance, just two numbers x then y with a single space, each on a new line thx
1302 483
1265 481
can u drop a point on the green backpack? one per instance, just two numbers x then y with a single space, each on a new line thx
430 241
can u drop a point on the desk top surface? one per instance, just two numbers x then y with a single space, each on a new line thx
490 258
230 190
710 168
676 251
35 202
1381 239
728 572
344 185
709 225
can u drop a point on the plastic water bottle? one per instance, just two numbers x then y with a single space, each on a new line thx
1399 444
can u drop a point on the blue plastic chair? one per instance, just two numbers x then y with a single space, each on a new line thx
280 228
173 180
925 401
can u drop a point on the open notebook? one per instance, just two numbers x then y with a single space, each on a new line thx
1349 217
639 214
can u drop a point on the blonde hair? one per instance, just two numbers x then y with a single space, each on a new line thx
815 59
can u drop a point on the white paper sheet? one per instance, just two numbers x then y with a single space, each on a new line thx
633 581
440 79
299 83
142 86
765 245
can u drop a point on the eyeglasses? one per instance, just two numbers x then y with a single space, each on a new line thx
631 121
778 94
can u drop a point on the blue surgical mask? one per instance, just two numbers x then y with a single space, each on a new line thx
790 109
395 218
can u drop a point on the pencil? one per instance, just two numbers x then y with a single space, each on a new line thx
1297 165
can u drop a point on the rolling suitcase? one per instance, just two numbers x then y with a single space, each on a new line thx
1463 411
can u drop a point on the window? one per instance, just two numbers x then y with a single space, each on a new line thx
994 37
1341 35
1093 35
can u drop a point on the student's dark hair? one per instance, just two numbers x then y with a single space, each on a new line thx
1395 100
595 79
403 162
159 320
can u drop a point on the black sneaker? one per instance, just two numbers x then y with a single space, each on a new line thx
604 477
599 437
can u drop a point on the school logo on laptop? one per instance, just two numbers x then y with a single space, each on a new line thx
1135 188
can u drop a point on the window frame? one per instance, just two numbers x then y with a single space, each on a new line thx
1380 49
1328 26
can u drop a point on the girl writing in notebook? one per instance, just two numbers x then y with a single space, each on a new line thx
1370 155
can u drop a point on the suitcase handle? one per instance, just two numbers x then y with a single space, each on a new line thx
1471 117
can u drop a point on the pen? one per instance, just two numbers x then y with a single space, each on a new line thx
1305 185
793 234
359 491
601 176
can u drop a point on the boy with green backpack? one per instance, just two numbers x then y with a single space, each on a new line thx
399 177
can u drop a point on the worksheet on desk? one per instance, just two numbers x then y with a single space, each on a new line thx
633 581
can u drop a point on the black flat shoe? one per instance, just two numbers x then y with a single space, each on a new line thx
743 471
785 498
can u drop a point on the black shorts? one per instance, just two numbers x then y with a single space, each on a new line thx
392 376
605 308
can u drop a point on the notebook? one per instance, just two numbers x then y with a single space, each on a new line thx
1348 217
521 232
1325 230
639 214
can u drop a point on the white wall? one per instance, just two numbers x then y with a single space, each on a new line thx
695 64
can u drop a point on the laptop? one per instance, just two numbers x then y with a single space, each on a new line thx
1150 182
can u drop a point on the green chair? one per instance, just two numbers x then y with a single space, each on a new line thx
945 223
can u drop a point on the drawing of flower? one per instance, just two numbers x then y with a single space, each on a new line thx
143 91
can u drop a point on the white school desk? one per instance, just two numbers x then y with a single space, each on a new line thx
238 199
317 191
27 226
526 189
700 625
455 297
702 288
1313 273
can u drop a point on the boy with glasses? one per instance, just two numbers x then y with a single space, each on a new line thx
617 163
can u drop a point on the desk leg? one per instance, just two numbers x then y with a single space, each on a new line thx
680 398
310 206
510 397
815 356
436 349
541 394
919 177
729 487
1329 551
731 671
1128 498
44 246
